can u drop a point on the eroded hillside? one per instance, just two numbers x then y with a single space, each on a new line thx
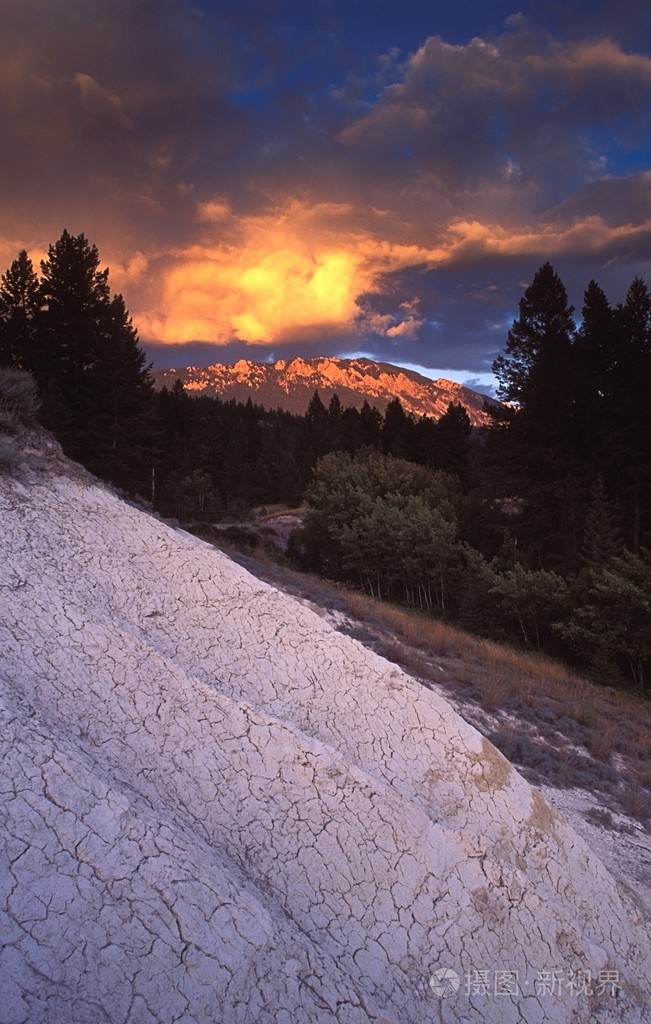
216 808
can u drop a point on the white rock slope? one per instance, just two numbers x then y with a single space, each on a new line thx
215 808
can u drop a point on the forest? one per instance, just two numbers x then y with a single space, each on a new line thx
535 530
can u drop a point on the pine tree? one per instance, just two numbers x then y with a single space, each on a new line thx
334 434
451 441
20 303
538 445
535 373
314 435
97 396
397 431
628 440
601 537
594 359
120 436
370 425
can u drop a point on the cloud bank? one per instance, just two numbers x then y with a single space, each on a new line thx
272 182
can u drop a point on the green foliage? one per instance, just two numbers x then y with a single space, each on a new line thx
18 406
526 603
402 549
514 604
10 457
19 402
609 626
386 524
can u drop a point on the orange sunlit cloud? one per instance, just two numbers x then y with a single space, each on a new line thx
297 270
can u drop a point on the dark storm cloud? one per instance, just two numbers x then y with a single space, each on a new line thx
341 175
111 107
519 112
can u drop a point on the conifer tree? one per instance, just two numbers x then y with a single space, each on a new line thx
334 424
535 371
538 449
97 394
314 439
594 358
397 431
20 303
451 441
120 435
601 536
371 425
629 421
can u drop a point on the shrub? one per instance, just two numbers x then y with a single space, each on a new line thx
9 456
19 401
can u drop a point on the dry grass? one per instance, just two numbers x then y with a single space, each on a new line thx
580 725
601 742
636 801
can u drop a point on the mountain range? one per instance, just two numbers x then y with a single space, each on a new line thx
290 384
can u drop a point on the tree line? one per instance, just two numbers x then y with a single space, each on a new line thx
534 529
579 415
220 458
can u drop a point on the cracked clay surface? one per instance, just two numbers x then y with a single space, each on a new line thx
215 808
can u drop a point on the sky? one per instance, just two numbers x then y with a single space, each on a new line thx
335 177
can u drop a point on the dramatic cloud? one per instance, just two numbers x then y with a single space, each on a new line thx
298 271
262 176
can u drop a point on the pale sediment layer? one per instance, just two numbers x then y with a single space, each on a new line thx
216 808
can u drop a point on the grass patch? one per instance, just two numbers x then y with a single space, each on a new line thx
636 801
574 728
19 401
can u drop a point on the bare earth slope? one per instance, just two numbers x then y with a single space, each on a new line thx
216 808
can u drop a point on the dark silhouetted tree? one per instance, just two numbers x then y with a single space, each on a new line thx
537 447
628 440
97 396
20 304
601 536
334 436
397 431
315 432
371 425
452 441
594 358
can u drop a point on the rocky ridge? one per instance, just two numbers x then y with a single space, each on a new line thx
290 385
